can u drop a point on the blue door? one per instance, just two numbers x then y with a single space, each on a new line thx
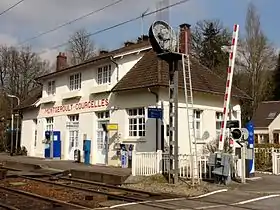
53 149
56 144
47 151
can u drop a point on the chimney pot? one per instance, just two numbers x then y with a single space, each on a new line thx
128 43
61 61
185 25
103 51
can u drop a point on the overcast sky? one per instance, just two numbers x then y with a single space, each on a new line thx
36 16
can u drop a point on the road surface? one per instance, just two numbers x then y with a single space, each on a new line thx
263 194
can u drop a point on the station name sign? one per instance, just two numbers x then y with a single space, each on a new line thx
86 105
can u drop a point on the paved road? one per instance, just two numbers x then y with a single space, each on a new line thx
263 194
230 200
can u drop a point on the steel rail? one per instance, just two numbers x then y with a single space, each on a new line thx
8 207
43 198
110 195
115 187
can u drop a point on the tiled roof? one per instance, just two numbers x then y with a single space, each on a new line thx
152 71
34 95
99 58
266 112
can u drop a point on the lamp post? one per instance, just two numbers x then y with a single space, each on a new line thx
12 124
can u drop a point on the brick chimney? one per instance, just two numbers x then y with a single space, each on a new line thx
102 52
128 43
61 61
185 38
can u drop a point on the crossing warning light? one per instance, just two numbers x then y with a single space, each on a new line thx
236 134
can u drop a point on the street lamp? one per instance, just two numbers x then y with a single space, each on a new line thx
12 124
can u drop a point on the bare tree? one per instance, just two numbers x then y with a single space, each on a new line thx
21 68
81 47
213 145
258 59
18 70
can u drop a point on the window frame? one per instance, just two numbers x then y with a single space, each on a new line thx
197 120
75 81
104 74
140 119
51 88
49 123
102 117
219 120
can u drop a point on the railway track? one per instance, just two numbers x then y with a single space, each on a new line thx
112 192
7 207
114 187
14 199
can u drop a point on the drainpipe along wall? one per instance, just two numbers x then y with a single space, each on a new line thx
157 101
117 65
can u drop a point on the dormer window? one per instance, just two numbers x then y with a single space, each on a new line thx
75 81
51 88
104 75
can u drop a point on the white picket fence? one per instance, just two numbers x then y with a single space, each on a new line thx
152 163
276 163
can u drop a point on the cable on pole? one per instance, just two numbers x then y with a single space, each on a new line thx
69 22
11 7
120 24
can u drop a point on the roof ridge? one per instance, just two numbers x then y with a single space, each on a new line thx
270 101
217 75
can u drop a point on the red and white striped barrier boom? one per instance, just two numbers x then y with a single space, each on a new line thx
232 55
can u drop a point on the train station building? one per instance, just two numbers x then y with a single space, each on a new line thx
119 88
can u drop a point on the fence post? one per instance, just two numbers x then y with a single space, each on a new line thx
134 156
159 158
274 162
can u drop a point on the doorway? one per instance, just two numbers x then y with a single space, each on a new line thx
73 126
102 118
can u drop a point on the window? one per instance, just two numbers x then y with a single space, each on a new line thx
136 119
104 75
51 88
271 115
102 118
73 126
35 132
50 123
197 124
75 81
219 121
73 118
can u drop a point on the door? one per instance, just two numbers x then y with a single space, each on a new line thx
73 126
56 144
73 143
102 118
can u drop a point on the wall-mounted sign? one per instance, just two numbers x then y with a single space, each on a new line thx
86 105
155 113
112 127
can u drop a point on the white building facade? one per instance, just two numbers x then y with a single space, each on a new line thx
77 100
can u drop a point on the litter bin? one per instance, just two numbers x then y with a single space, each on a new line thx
77 156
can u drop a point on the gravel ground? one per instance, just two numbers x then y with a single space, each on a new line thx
22 202
159 184
60 193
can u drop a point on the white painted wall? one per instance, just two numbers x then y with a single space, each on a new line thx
28 128
117 103
209 104
274 125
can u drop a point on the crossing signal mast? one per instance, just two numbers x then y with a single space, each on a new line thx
220 159
232 55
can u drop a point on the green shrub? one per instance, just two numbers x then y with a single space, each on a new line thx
263 156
